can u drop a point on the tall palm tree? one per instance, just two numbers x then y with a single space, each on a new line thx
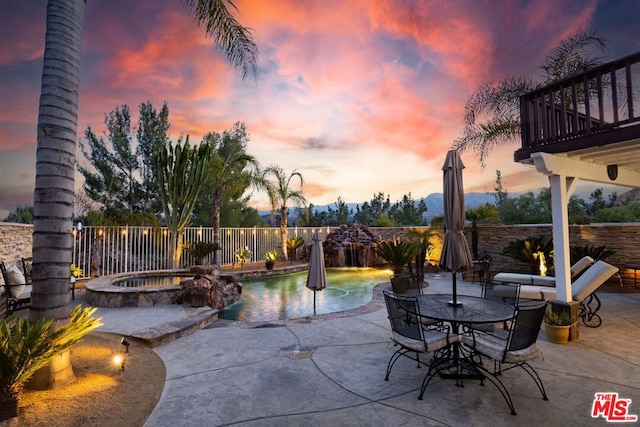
492 114
232 168
280 194
56 146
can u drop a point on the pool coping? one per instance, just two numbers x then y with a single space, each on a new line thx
207 317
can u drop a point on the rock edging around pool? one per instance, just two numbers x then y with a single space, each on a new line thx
101 291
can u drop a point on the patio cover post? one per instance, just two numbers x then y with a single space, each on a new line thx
561 189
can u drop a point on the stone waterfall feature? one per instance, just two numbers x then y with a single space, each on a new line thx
351 245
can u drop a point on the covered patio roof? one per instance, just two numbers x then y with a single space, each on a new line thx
584 127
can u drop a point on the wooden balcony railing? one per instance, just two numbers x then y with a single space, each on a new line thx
598 107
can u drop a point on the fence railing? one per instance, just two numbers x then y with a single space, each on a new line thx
594 108
110 250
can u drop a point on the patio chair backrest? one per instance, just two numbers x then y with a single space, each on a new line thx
402 311
580 266
508 293
526 327
594 277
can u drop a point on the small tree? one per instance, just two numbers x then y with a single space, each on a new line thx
280 195
484 213
182 172
422 239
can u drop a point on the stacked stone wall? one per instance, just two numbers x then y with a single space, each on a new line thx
15 242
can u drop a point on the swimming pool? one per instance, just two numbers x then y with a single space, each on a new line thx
287 297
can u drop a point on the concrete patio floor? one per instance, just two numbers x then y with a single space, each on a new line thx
329 371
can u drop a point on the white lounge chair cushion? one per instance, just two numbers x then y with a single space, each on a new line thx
585 285
24 294
525 279
580 266
591 280
532 279
16 281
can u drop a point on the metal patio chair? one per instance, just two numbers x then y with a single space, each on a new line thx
516 350
411 334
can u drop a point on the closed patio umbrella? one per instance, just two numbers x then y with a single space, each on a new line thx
455 251
317 278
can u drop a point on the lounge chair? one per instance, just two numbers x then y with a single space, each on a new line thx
532 279
582 290
15 290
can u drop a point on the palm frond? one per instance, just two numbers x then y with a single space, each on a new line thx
235 41
575 54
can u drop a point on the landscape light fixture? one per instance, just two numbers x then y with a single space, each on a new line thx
125 343
79 226
119 361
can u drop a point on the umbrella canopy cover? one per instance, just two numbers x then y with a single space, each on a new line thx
455 250
317 278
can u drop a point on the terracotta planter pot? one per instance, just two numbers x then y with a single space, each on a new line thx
557 334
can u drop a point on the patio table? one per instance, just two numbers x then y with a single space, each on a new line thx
470 310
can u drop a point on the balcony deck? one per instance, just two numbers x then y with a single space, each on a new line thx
592 119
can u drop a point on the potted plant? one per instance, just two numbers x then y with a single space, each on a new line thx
243 255
270 258
200 250
398 254
557 323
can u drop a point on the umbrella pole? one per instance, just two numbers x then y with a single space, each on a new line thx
455 302
314 302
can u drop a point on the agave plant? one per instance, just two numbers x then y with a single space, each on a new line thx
26 347
528 250
292 246
398 253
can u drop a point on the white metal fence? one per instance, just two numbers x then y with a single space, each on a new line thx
109 250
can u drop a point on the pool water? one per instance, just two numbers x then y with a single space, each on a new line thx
287 297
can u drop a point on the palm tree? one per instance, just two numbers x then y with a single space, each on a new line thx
492 114
280 195
483 213
422 240
56 146
232 170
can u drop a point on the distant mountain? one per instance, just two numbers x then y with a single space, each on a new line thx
435 204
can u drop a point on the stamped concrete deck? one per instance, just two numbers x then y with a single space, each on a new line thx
329 371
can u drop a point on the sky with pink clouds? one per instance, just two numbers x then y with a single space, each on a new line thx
359 96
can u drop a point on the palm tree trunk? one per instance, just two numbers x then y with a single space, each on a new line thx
55 168
283 231
215 209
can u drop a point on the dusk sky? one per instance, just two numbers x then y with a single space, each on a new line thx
359 96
